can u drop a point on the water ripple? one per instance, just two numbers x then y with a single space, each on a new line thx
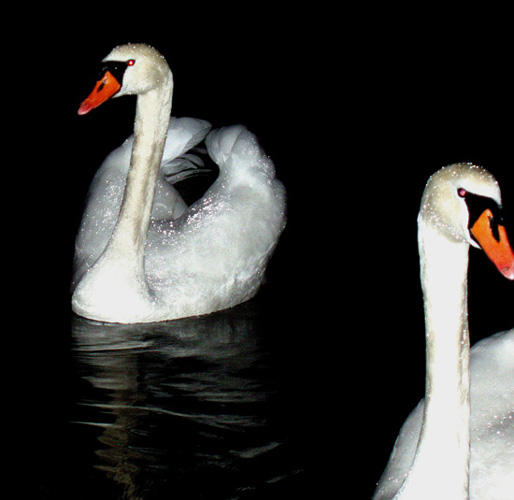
188 406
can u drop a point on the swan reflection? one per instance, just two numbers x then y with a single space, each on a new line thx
186 405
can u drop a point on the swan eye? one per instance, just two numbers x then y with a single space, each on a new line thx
462 192
131 62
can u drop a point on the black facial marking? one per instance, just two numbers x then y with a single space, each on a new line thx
116 68
494 228
476 207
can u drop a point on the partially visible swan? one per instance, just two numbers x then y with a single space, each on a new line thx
445 451
141 254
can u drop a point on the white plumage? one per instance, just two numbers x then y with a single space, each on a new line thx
152 260
458 443
491 426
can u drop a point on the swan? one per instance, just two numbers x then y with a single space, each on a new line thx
142 254
459 442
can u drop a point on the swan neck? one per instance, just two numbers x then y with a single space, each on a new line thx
151 124
441 465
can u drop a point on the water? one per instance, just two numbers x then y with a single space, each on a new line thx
190 409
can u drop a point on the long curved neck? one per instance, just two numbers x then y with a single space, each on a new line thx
151 124
441 465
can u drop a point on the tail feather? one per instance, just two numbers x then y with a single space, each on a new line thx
186 166
181 158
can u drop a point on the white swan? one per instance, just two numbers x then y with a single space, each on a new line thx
441 453
141 254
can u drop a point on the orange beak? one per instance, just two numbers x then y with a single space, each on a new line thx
104 89
496 246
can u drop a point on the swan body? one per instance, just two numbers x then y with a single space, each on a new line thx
491 467
458 443
141 254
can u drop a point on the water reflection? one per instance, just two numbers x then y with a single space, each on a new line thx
187 408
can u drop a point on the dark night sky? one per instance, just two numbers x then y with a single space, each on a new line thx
356 112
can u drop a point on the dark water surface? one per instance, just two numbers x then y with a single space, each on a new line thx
190 409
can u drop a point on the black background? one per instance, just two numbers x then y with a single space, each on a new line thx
356 108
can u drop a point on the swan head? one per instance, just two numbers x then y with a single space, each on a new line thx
463 203
130 69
